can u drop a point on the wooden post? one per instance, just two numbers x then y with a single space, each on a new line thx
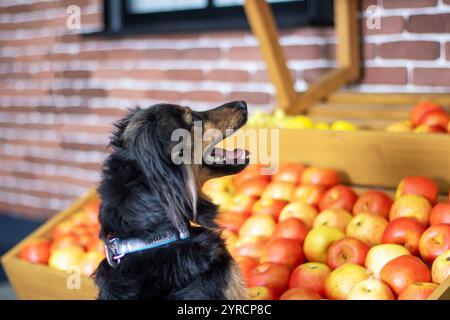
347 51
263 26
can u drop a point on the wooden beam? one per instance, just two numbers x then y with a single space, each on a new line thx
347 34
409 99
263 26
331 82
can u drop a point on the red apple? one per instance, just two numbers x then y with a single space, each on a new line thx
370 289
423 128
309 194
284 251
404 231
291 228
232 221
268 206
440 214
253 187
36 251
270 274
251 171
320 176
440 270
261 225
338 197
434 241
311 275
246 265
436 118
279 190
347 250
412 206
336 218
300 293
422 109
62 242
301 211
374 202
240 203
402 271
261 293
289 172
250 247
418 291
230 239
419 186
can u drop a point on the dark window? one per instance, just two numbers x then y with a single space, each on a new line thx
157 16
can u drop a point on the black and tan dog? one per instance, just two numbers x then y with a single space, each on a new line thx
148 202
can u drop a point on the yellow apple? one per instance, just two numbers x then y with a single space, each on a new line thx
66 258
299 210
342 125
367 227
341 280
381 254
336 218
259 225
400 126
370 289
322 126
298 122
440 270
317 242
413 206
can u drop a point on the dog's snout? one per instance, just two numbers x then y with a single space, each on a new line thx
241 105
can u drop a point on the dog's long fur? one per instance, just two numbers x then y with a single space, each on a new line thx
143 192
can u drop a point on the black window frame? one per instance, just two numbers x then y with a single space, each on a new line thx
119 21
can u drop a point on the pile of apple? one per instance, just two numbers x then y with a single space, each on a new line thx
279 119
72 243
426 117
299 234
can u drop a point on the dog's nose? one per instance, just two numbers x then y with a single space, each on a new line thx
241 104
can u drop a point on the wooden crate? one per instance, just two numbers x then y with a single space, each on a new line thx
36 281
365 159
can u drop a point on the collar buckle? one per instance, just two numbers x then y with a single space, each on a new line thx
112 255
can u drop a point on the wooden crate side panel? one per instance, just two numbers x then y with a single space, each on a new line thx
388 98
34 281
442 292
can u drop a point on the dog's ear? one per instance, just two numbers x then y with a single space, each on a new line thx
151 145
118 136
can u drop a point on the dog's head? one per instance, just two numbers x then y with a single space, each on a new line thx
176 148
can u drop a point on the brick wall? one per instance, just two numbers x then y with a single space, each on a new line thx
60 92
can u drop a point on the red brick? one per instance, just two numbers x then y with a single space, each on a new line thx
109 73
227 75
447 50
447 1
149 74
93 92
76 74
299 52
127 93
433 23
263 76
394 76
389 25
185 74
250 97
416 50
390 4
125 54
164 95
367 3
200 54
244 53
204 95
160 54
431 77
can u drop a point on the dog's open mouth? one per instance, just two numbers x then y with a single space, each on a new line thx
219 158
